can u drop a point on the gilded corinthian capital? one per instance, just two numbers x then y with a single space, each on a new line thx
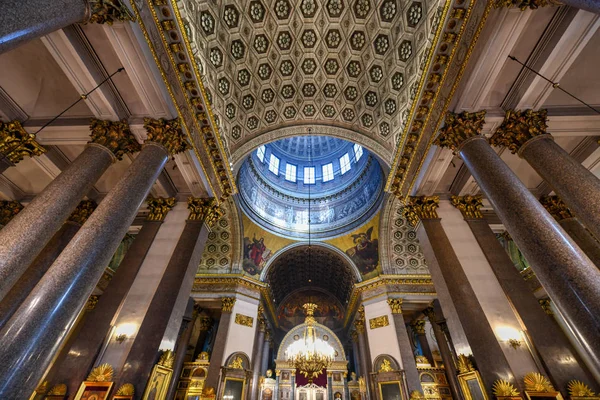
159 207
469 206
518 127
418 326
395 305
108 11
556 207
167 133
524 4
83 211
16 144
204 209
115 136
419 208
460 127
8 209
227 304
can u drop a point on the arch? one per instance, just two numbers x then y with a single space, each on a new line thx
379 359
242 355
381 152
282 251
320 330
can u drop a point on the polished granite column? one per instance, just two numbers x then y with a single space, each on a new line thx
584 239
355 352
264 363
8 209
36 331
258 352
550 341
524 133
15 142
79 353
26 20
418 327
363 348
218 350
182 268
563 269
437 321
407 355
329 385
44 260
446 269
29 231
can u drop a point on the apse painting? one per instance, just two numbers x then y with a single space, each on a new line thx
259 247
329 312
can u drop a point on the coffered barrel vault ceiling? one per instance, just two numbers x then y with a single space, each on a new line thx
271 62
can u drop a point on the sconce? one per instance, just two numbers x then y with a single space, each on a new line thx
123 332
510 336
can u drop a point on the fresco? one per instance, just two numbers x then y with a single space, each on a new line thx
329 313
259 246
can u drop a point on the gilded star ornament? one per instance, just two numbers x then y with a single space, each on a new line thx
16 143
519 127
460 127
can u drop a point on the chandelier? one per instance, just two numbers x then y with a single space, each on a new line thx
309 354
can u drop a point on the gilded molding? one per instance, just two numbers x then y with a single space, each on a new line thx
167 133
115 136
244 320
227 304
16 143
519 127
395 305
419 208
83 211
8 209
418 326
460 127
379 322
469 206
556 207
92 302
525 4
159 207
206 210
108 11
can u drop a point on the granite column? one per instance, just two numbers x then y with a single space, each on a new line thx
568 275
258 353
407 355
44 260
550 341
80 352
446 350
584 239
35 332
447 270
365 359
264 364
29 231
524 133
181 268
26 20
218 350
15 142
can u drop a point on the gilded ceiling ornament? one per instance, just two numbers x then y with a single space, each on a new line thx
464 364
227 304
419 208
503 388
102 373
59 389
536 382
395 305
83 211
237 363
159 207
469 205
519 127
167 358
115 136
460 127
579 389
524 4
8 209
168 133
16 143
556 207
418 326
386 366
108 11
126 389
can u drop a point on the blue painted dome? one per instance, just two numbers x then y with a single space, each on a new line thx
343 181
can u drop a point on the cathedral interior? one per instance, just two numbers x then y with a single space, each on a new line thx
300 200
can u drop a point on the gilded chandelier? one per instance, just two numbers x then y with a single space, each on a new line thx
309 354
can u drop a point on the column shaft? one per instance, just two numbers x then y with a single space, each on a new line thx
187 326
407 355
588 5
30 230
182 267
550 341
264 364
79 355
257 361
36 271
39 326
583 238
491 362
567 274
218 350
366 363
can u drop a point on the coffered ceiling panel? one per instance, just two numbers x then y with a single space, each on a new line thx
272 62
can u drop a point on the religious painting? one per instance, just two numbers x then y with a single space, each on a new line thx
472 386
93 391
329 311
285 376
390 391
259 246
234 389
158 384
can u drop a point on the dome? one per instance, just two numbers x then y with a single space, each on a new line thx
343 181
